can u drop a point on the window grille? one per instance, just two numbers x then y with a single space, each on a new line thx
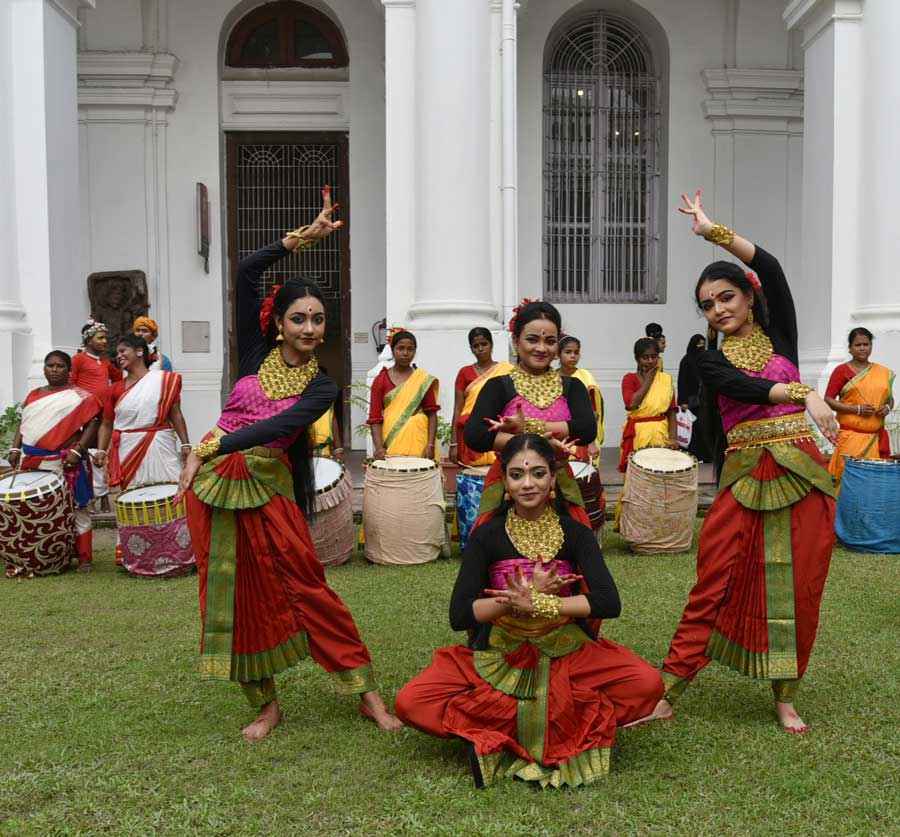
602 120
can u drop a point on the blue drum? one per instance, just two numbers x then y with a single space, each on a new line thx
469 485
867 517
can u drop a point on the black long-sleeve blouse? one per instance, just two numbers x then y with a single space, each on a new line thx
318 396
490 543
499 391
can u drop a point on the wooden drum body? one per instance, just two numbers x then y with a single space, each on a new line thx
153 533
332 529
867 517
659 501
403 511
37 529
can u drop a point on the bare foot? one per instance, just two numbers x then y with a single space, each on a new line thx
85 567
371 706
789 719
268 718
662 712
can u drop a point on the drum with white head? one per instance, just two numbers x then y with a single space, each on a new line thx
588 479
37 528
331 527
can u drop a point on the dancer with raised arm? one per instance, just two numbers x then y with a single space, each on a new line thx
766 542
264 602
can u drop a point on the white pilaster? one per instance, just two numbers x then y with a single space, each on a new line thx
402 213
833 152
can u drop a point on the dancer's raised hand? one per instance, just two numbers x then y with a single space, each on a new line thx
322 227
700 224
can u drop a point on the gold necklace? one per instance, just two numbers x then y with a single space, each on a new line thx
752 352
540 390
540 540
278 380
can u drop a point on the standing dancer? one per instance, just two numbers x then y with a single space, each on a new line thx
93 371
264 603
403 404
766 542
469 382
861 393
534 693
533 398
59 423
569 357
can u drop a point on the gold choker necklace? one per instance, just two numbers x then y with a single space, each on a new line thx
278 380
752 352
540 390
540 540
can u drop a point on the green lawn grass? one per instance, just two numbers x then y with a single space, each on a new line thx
106 728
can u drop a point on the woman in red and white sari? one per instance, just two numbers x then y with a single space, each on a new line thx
143 433
59 423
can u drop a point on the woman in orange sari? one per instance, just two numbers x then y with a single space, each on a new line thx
861 393
469 382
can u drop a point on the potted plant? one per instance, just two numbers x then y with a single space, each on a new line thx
444 438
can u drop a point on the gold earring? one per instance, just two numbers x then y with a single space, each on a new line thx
552 493
750 317
280 336
506 496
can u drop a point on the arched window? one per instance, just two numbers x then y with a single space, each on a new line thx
285 34
601 163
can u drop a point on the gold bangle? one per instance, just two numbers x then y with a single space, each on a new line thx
538 426
302 243
797 392
207 450
719 234
547 607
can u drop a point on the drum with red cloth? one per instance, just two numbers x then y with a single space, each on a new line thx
153 533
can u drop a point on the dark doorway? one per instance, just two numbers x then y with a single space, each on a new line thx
274 183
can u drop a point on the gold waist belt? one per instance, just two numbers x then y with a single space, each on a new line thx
767 431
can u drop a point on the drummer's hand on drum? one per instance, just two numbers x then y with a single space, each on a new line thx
72 458
99 458
186 480
14 457
379 453
549 582
822 416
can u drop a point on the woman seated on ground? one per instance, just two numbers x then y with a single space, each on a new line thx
535 695
649 397
469 382
861 393
569 357
403 404
59 424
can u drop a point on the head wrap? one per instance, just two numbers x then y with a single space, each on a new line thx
146 322
92 328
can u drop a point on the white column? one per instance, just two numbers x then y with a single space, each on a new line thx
402 213
453 288
878 294
510 159
831 254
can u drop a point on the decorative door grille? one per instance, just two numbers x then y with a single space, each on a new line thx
601 164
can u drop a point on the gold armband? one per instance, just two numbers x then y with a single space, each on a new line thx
302 243
797 392
720 234
547 607
538 426
208 450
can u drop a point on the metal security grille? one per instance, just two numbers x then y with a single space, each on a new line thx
601 164
278 189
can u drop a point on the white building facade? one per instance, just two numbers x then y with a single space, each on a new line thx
482 151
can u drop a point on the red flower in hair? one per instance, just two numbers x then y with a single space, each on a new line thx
512 320
265 310
753 279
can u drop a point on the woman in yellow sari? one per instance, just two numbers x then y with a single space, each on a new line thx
861 393
569 357
325 436
403 405
469 382
649 396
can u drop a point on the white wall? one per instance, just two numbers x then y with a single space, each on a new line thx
129 201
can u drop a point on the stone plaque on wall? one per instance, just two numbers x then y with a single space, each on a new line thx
117 298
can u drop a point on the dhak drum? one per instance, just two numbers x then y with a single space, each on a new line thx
588 479
403 511
659 501
469 486
867 518
37 526
332 529
153 533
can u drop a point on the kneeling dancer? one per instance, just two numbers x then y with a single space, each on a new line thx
536 695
